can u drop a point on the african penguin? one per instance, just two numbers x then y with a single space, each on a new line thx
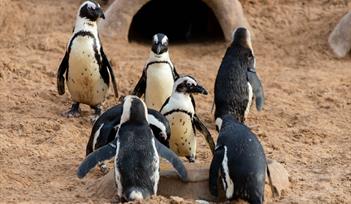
237 81
240 158
180 111
106 126
158 76
136 154
85 63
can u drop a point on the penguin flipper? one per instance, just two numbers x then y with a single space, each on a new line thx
104 153
214 168
107 64
140 88
60 74
175 73
203 129
257 89
173 159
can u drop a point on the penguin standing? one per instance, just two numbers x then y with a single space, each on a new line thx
237 81
158 76
241 160
136 154
179 109
85 63
106 126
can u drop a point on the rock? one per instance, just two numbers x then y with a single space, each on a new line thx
340 39
195 189
279 175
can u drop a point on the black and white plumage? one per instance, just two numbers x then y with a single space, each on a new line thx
237 81
159 74
240 158
106 126
136 154
180 111
87 68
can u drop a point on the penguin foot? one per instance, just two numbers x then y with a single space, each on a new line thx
103 168
73 112
97 113
191 158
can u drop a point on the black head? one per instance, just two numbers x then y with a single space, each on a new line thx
91 10
241 36
159 43
134 110
189 85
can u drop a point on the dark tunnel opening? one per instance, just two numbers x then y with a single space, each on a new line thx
181 20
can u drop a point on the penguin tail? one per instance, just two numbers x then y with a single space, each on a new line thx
134 194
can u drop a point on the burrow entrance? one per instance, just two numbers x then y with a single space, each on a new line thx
181 20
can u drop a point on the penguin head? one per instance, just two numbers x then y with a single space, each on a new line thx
242 37
159 44
159 125
91 10
134 110
188 85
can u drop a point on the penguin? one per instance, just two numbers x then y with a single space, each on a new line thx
159 74
106 126
180 111
136 154
85 64
237 82
241 160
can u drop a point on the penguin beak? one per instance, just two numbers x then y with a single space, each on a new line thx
198 89
100 13
158 48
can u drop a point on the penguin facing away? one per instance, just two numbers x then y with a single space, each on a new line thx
237 82
240 158
106 126
159 74
136 154
180 111
85 63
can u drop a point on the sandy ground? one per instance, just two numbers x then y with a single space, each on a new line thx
305 123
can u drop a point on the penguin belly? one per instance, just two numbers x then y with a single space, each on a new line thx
182 140
84 82
159 85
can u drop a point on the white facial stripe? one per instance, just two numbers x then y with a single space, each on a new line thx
230 185
155 39
96 136
182 79
126 109
153 121
219 123
91 5
164 40
248 40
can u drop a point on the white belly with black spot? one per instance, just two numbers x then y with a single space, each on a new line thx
159 85
84 82
182 140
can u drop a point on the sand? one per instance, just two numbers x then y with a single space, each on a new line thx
305 123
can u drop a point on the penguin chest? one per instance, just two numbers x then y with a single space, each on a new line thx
182 140
159 85
84 81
